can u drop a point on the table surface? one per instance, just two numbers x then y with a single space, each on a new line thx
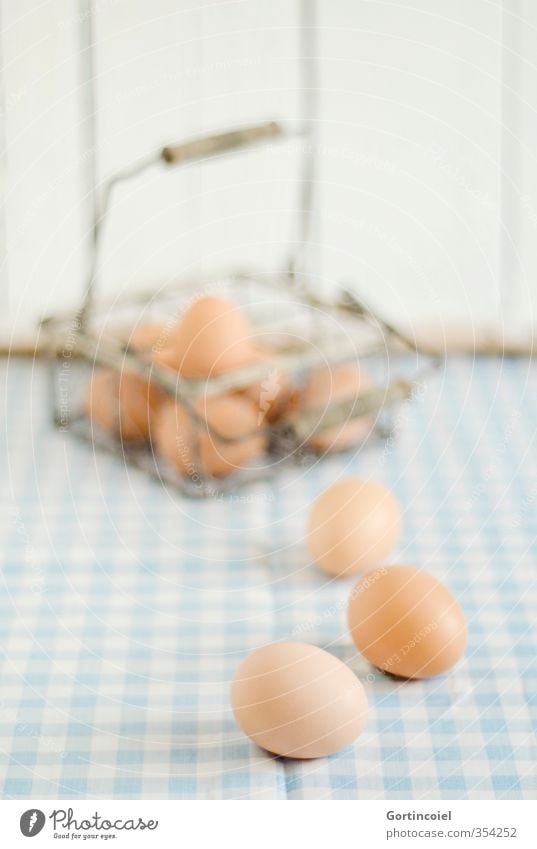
125 609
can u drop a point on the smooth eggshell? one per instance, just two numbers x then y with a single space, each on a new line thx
328 386
167 358
353 526
123 404
297 700
192 448
146 337
231 416
101 400
406 622
211 338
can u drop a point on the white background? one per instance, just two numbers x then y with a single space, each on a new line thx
427 183
309 824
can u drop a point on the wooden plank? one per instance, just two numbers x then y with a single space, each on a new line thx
519 166
416 170
42 191
170 70
412 141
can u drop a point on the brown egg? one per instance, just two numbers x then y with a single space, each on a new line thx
123 404
166 357
101 404
328 386
272 395
192 448
139 400
148 336
353 526
231 416
211 338
297 700
406 622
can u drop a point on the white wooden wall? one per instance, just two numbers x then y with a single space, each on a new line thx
428 177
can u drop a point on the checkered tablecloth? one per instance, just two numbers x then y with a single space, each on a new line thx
124 609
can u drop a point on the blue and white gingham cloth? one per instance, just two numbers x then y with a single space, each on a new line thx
125 609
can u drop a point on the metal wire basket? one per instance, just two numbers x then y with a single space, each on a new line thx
306 336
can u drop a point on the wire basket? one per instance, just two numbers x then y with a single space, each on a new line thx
308 340
325 382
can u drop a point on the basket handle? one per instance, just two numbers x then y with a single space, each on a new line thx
212 145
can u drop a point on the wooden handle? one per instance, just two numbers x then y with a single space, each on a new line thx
206 146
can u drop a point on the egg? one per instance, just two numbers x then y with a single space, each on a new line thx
146 337
353 526
167 358
123 404
101 405
193 448
273 393
406 622
211 338
297 700
328 386
232 417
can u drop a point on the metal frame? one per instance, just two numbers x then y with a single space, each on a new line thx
109 350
